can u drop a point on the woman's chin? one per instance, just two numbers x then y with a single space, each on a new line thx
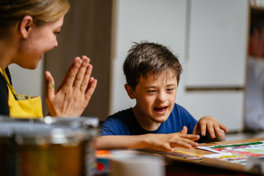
32 67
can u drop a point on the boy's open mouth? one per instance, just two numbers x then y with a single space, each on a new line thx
160 109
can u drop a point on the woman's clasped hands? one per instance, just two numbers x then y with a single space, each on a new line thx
74 94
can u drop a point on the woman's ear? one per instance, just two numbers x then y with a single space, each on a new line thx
25 26
130 91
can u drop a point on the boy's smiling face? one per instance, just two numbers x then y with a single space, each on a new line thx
155 97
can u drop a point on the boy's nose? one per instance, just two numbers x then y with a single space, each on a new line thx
161 97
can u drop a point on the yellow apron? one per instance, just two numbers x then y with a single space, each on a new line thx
22 106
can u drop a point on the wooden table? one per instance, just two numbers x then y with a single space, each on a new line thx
203 167
208 166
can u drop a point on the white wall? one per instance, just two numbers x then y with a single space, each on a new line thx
162 21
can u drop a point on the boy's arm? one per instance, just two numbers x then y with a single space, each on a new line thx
159 142
208 124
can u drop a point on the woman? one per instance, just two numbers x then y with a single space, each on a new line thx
28 29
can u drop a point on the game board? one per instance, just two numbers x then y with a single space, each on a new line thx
236 153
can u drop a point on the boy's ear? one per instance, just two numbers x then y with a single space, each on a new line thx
130 91
25 26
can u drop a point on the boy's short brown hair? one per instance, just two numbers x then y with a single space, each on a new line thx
146 57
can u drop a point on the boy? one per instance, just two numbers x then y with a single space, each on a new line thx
156 122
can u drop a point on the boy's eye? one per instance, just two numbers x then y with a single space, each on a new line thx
151 91
170 89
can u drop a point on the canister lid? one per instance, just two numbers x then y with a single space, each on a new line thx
49 130
73 122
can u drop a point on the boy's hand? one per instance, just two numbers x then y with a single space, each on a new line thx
210 124
166 142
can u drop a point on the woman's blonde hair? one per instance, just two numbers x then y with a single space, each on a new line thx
42 11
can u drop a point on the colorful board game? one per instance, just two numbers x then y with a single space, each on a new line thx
236 153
